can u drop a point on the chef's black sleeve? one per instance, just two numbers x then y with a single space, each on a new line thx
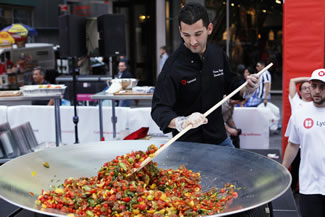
163 101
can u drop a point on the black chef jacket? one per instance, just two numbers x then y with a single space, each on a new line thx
190 84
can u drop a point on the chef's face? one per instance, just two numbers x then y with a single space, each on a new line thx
318 93
305 91
195 36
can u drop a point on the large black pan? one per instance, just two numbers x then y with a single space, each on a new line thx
262 179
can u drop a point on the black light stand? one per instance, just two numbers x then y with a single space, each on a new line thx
74 92
115 62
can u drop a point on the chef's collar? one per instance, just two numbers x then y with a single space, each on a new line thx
195 56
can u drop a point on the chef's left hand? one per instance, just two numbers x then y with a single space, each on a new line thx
252 83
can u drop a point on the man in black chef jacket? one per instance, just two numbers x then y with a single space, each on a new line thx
194 78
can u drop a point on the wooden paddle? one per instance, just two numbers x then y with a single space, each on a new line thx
177 136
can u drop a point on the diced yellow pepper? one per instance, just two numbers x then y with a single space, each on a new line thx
151 211
163 197
135 211
150 197
104 194
162 211
59 191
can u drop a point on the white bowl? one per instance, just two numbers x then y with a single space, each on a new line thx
126 83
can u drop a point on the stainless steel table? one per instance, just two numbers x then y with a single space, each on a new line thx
56 97
105 96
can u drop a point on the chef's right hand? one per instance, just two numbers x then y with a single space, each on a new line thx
196 119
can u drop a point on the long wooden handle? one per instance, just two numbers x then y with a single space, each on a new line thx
177 136
234 92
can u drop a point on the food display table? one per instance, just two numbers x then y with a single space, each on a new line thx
105 96
56 97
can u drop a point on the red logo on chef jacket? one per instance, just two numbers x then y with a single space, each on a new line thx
183 82
308 123
321 73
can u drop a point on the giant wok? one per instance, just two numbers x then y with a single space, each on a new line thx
262 179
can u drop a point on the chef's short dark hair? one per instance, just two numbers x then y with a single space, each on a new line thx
41 70
193 12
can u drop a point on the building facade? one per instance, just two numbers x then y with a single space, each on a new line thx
248 30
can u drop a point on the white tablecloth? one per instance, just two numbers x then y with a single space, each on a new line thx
42 121
3 114
253 122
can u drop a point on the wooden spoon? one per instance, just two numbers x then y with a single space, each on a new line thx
177 136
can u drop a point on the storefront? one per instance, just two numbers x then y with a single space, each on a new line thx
255 31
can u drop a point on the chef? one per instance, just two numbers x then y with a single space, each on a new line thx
194 78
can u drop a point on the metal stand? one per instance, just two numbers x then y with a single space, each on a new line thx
74 91
101 135
58 136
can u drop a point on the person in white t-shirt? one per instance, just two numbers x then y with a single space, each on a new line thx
297 102
307 130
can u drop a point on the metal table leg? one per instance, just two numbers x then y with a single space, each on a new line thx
114 119
58 137
100 104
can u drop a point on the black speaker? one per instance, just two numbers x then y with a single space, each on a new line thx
111 28
72 36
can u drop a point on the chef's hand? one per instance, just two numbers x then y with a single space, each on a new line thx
196 119
252 85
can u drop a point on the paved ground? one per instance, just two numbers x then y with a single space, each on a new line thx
276 138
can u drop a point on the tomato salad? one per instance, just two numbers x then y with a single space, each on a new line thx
149 192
